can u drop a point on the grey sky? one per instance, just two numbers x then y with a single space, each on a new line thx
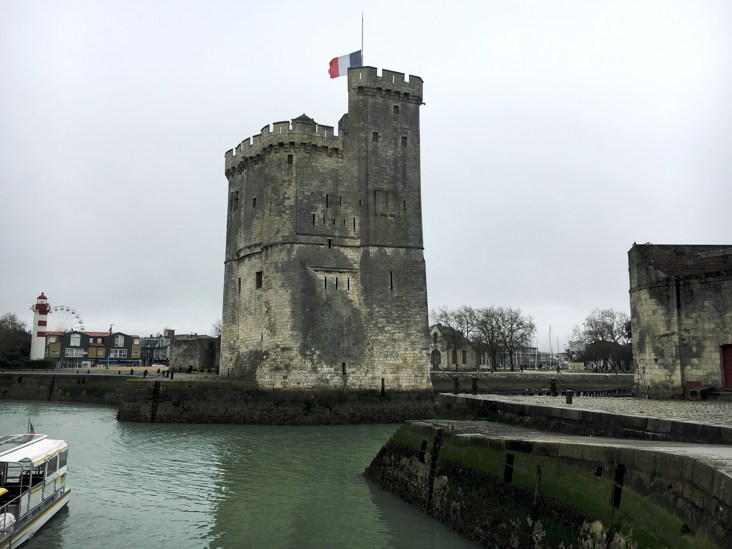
554 135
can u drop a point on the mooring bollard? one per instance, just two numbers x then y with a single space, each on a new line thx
568 396
455 385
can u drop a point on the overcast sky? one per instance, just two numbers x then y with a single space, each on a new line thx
554 135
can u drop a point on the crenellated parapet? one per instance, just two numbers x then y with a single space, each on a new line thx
389 82
301 133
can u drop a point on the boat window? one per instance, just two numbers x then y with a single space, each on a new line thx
62 457
52 466
12 473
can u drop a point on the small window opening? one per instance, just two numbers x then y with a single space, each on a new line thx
396 109
404 140
258 279
343 368
434 338
340 200
326 200
325 282
261 337
334 221
336 283
359 202
289 159
348 284
404 206
254 202
270 208
330 243
313 219
391 280
375 137
354 222
238 283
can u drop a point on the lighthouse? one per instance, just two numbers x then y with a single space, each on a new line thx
40 323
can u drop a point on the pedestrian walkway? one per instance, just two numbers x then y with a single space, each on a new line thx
708 412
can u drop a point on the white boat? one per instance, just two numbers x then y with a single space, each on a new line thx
32 485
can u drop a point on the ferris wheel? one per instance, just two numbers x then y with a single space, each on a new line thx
66 319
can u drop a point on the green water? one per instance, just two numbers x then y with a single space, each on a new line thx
230 486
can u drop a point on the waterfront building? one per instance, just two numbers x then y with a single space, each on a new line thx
681 317
77 349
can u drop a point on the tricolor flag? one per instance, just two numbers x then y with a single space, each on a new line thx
339 65
31 430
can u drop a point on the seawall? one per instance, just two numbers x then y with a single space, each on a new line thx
212 401
506 486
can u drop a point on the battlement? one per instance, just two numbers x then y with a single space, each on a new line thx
300 130
368 78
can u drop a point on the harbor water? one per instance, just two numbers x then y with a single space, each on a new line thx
229 486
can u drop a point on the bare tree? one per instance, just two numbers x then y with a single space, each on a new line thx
604 341
488 333
517 330
216 328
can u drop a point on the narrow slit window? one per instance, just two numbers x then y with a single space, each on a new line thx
396 109
325 282
348 284
340 200
336 283
326 200
404 140
254 202
330 243
391 280
354 222
404 206
313 219
258 279
343 368
375 137
289 159
238 285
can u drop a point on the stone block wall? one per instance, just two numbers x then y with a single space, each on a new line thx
681 316
325 283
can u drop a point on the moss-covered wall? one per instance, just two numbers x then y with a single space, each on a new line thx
505 492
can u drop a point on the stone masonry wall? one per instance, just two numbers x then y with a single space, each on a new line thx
324 283
681 315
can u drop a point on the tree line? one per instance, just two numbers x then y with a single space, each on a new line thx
603 343
490 330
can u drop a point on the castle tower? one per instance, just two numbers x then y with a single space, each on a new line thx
324 281
40 323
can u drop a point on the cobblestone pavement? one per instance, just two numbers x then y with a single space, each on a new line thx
709 412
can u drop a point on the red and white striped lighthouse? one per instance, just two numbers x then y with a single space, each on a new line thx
40 323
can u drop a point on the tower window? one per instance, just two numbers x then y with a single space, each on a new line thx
404 140
396 109
348 284
325 282
330 243
258 279
313 219
254 202
343 368
375 137
391 280
336 283
289 159
238 285
326 200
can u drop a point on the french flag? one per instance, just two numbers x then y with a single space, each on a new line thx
339 65
31 430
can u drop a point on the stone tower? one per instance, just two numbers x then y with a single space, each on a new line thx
324 283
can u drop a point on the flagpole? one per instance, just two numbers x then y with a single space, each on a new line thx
362 58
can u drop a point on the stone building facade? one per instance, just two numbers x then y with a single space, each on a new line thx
324 283
681 317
